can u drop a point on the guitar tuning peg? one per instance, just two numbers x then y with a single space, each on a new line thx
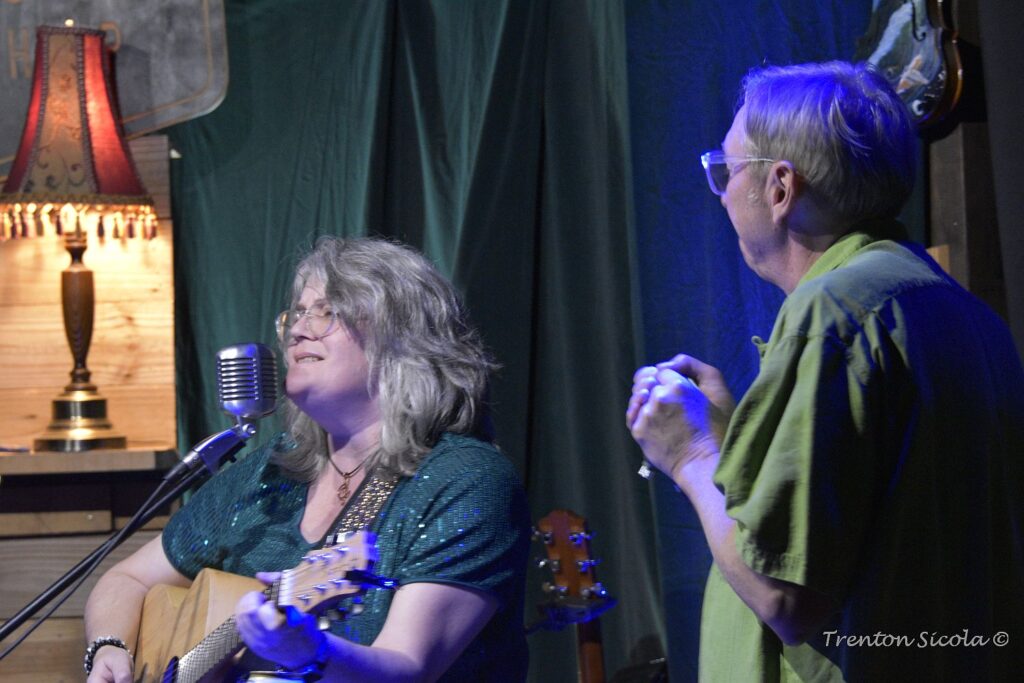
579 537
554 565
548 587
539 535
596 591
585 565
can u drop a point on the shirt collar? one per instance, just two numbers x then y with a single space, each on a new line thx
846 246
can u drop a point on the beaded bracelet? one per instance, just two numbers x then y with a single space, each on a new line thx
90 652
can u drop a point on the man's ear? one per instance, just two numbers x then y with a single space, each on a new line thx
783 187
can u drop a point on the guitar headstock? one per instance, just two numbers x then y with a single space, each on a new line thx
326 576
577 595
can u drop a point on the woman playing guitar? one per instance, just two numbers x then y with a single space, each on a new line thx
385 382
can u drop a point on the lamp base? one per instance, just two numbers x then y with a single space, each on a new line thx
79 424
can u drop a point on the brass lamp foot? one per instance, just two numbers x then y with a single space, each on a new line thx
79 424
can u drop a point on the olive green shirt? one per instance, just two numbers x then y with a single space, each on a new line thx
876 459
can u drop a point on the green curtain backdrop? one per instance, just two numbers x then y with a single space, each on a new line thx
495 137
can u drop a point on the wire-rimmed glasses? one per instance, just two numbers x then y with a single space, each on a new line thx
320 320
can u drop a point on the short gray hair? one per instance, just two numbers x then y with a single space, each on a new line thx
427 365
844 129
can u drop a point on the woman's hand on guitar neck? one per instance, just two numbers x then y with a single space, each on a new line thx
111 665
427 627
289 638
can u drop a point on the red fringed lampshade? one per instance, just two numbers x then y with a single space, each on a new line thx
73 163
73 175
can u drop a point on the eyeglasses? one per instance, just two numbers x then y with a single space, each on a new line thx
720 167
320 320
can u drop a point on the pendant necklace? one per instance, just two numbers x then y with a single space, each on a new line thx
345 491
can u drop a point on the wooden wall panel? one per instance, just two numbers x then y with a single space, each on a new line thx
132 351
53 653
962 202
29 566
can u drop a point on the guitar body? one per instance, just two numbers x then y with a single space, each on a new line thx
175 620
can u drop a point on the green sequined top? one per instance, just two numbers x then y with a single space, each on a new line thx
462 519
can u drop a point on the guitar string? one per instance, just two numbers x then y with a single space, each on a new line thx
302 573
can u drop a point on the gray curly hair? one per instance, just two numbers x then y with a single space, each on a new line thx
428 367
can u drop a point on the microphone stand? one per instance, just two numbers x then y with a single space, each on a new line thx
211 452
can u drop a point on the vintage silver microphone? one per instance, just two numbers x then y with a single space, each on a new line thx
247 390
247 381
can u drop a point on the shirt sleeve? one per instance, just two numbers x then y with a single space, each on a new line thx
799 465
202 532
473 528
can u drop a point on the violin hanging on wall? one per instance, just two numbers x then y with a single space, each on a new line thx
912 45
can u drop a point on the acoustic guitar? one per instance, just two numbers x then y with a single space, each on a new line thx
189 635
575 594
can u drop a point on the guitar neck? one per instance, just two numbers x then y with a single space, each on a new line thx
576 595
221 644
174 621
216 648
591 658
